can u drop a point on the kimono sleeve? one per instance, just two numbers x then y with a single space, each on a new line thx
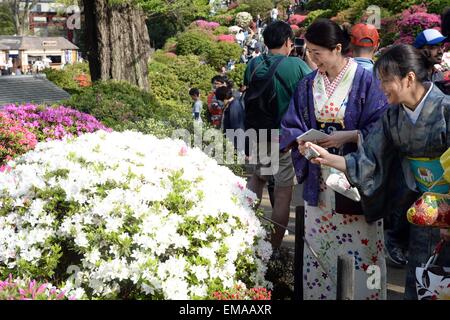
293 123
368 167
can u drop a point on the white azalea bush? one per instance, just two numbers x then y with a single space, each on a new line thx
244 19
129 216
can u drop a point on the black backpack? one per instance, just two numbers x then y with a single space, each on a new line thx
261 109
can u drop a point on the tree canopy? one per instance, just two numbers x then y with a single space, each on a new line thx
7 26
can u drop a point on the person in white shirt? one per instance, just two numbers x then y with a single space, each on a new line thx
9 66
240 38
197 104
274 14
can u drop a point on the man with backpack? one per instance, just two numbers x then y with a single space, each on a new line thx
270 81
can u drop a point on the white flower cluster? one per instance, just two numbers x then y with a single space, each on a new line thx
243 19
127 215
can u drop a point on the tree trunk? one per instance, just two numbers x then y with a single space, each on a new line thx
118 42
21 14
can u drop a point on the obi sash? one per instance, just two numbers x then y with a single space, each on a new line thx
329 128
428 174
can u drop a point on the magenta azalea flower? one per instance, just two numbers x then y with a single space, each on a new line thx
22 126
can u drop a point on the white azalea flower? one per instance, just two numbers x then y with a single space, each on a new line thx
117 190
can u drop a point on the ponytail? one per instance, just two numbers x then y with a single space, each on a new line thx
401 59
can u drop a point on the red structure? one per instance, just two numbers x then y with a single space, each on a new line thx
49 24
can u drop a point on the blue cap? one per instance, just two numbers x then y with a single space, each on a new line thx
428 37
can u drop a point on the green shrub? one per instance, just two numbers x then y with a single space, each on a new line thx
6 20
115 103
339 5
347 15
200 43
237 74
313 15
172 77
166 86
221 30
194 42
255 7
437 6
225 19
388 38
222 52
170 45
188 70
65 78
162 27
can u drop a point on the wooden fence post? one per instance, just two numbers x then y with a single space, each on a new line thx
345 278
298 256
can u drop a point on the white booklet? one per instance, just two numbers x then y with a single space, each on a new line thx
312 135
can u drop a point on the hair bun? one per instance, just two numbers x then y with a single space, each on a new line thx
347 30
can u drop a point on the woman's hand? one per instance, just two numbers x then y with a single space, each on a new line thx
324 158
445 234
324 154
338 138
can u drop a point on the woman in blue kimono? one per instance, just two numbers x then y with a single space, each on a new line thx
342 99
416 127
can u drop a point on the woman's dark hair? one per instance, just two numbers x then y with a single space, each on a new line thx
326 33
276 34
401 59
223 93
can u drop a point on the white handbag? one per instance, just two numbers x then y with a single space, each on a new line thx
338 182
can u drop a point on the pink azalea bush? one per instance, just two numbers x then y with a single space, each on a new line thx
22 126
50 123
240 292
296 19
14 140
225 38
14 289
414 20
203 24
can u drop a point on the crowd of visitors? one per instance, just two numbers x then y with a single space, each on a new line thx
383 118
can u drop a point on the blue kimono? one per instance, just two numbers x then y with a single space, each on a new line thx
366 104
370 168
